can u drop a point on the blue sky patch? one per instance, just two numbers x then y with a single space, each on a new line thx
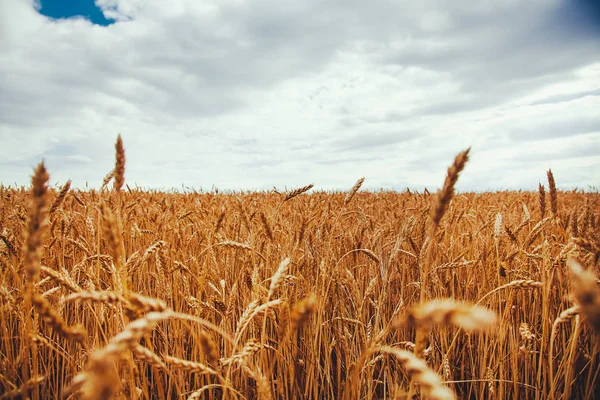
66 9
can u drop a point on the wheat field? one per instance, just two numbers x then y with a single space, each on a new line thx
120 293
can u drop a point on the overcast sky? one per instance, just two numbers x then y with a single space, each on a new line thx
261 93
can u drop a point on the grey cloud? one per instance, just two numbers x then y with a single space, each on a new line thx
565 98
201 78
346 160
434 159
70 160
261 162
494 64
24 162
556 129
193 66
369 139
581 147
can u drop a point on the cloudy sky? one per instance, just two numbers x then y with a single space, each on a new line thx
251 94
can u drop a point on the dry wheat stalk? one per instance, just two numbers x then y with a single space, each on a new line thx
99 297
113 237
542 200
449 311
99 380
9 245
262 383
119 164
78 199
284 320
62 278
76 333
61 197
353 191
587 293
526 214
489 377
498 227
246 315
278 277
444 196
298 192
255 311
446 367
251 347
209 348
191 366
587 245
37 225
146 304
370 254
517 284
148 356
21 391
153 250
553 194
79 245
301 312
567 315
266 226
525 332
511 235
564 317
419 372
107 179
234 245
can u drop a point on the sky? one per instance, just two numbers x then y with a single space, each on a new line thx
256 94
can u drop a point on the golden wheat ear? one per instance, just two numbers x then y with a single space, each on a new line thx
553 194
37 225
353 191
587 293
119 164
298 192
444 196
61 197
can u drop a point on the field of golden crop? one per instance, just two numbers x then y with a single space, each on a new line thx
119 293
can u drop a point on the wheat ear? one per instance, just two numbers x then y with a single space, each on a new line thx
119 164
586 292
298 192
419 372
444 196
353 191
37 226
61 196
553 194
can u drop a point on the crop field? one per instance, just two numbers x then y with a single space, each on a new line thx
120 293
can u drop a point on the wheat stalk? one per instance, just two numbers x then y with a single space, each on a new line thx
444 196
586 292
37 225
51 317
353 191
516 284
119 164
542 200
298 192
61 197
419 372
99 380
278 277
449 311
553 194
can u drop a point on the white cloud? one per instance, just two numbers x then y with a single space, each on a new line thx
252 94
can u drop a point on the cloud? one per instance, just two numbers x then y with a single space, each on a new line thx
243 94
